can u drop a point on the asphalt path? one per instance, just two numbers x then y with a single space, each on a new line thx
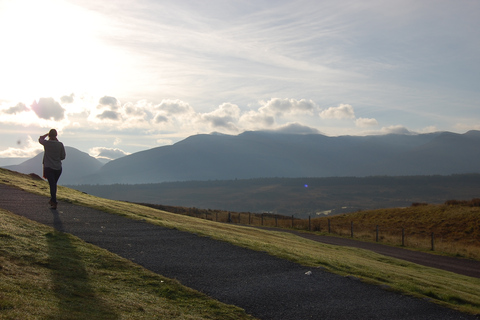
265 286
465 267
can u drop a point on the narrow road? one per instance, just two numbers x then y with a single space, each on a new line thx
466 267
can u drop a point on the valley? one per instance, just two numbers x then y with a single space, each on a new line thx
301 197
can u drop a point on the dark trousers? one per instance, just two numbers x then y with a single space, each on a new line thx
52 177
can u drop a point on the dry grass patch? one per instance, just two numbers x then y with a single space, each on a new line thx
456 228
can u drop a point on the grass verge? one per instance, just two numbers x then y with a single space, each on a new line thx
442 287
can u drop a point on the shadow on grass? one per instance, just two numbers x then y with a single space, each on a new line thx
76 296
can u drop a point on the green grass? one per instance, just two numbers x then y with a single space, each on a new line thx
46 274
442 287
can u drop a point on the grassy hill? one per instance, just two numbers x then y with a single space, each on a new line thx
46 274
455 226
25 259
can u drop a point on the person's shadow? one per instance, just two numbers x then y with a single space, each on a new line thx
57 222
75 295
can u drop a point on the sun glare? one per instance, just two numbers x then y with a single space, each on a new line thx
49 48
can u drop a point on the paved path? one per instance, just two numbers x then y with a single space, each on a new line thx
265 286
466 267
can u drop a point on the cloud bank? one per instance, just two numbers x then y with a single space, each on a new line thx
172 119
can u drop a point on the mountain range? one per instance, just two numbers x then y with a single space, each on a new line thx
76 166
267 154
259 154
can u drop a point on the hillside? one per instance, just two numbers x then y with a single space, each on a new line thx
268 155
447 288
455 225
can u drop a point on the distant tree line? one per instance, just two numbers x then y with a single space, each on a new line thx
475 202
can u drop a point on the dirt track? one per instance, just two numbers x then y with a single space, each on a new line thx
265 286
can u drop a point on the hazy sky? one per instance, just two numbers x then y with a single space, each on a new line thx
123 76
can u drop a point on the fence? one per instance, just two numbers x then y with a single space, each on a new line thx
453 242
397 236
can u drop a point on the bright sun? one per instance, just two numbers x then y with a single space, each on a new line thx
50 48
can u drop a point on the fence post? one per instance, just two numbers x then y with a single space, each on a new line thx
229 217
329 229
292 220
376 233
433 241
276 220
351 229
309 223
403 237
249 218
262 219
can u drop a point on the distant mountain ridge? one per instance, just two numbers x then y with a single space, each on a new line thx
258 154
76 166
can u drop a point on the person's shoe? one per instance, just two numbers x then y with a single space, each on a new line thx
52 204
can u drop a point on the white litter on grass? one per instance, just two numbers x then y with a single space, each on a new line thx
308 273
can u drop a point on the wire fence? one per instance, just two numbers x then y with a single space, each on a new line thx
410 237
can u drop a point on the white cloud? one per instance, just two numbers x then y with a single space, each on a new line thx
281 107
20 107
68 99
170 112
174 107
396 129
343 111
160 118
366 122
272 112
112 102
48 108
29 150
107 153
226 117
108 108
429 129
297 128
254 120
139 110
138 115
109 115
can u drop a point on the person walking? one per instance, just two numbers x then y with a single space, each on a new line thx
52 162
